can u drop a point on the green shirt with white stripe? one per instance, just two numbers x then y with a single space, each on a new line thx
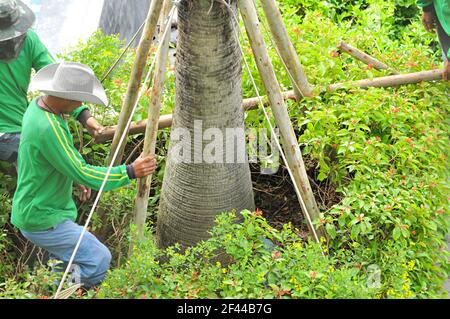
15 80
48 166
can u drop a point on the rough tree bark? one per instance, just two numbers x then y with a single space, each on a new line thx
208 89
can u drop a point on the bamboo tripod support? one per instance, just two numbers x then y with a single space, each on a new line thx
290 144
393 80
143 185
274 95
136 78
286 49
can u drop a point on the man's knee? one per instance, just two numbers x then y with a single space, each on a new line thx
96 262
102 262
104 259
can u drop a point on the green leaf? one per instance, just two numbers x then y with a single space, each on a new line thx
331 230
251 230
322 176
397 233
341 220
405 232
355 231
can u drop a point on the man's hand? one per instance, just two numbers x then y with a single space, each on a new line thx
85 193
447 70
94 128
145 166
429 21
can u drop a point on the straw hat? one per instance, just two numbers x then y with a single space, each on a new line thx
70 81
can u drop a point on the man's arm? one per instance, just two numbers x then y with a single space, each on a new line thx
41 57
429 17
84 116
61 153
59 150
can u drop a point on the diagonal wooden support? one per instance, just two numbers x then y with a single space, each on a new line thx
280 112
156 95
136 78
364 57
393 80
286 49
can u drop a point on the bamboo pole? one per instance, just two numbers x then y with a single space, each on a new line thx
280 112
165 121
136 78
156 95
393 80
364 57
286 49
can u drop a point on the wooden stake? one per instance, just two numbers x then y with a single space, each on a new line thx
364 57
136 78
393 80
286 49
280 112
144 184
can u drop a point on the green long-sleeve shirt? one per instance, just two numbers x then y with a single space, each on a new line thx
49 164
442 8
15 80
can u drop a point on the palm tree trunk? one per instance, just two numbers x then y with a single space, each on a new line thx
208 89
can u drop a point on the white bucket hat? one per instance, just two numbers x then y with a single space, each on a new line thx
70 81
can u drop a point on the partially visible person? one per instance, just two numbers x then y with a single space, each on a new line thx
48 165
21 51
436 17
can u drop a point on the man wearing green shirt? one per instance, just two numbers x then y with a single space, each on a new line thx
49 164
21 51
436 15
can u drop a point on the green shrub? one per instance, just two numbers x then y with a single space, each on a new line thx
240 260
37 284
7 184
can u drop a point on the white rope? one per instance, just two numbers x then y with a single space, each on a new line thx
302 202
114 65
94 207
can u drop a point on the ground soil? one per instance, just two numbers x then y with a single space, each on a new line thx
276 197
